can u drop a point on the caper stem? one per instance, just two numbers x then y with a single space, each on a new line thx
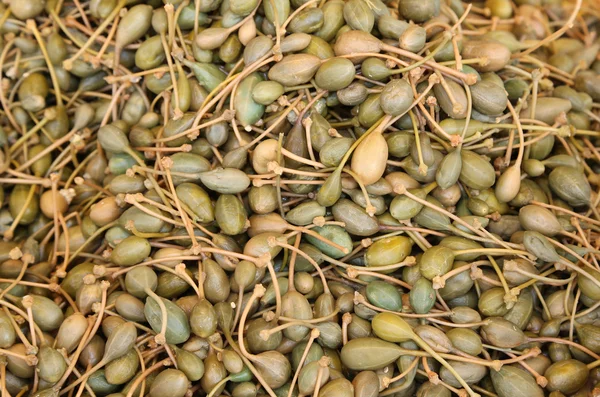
580 271
305 256
26 136
3 378
499 274
446 36
84 377
526 144
31 25
17 280
265 334
441 360
422 165
8 234
314 334
316 235
218 385
369 209
100 313
490 251
355 272
457 325
13 354
568 24
314 320
566 342
591 115
432 64
411 367
359 299
571 252
258 292
538 277
68 63
180 272
374 127
144 375
167 163
323 363
238 306
161 336
28 346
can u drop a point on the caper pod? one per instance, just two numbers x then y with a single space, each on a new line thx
333 20
130 251
496 54
294 69
197 200
308 20
413 38
33 91
335 74
266 92
358 15
418 11
169 382
248 111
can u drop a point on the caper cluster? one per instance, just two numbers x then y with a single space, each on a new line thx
293 198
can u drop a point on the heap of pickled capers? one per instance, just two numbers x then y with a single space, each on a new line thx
296 198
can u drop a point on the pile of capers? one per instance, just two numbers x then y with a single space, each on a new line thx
294 198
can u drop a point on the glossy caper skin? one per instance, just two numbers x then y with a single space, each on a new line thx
266 92
295 69
335 74
130 251
169 381
566 376
150 53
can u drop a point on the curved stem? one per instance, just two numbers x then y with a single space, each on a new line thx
387 381
258 292
449 367
218 385
273 240
144 375
160 338
314 334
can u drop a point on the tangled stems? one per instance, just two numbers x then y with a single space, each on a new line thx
408 334
361 300
291 322
272 241
314 334
258 292
353 273
149 107
141 378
